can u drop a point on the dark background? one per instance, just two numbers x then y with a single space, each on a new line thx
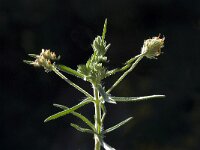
68 27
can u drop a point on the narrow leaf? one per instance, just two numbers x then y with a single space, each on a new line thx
85 130
67 111
104 30
125 67
28 62
105 96
134 99
70 71
117 125
132 59
112 72
107 47
83 118
61 106
104 112
33 55
106 146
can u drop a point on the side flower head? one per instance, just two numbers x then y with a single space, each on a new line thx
152 47
43 60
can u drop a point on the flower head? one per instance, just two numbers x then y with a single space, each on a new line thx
48 54
152 47
43 60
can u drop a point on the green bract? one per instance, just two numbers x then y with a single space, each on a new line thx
94 72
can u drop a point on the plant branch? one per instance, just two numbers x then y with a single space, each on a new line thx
71 83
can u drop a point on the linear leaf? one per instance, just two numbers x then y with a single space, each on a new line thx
33 55
105 96
112 72
61 107
83 118
135 99
106 146
70 71
132 59
104 30
28 62
104 112
65 112
85 130
117 125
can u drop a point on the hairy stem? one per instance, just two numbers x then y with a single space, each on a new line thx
71 83
98 123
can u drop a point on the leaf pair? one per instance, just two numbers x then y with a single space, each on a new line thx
84 119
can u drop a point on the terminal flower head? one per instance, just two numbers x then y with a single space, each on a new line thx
152 47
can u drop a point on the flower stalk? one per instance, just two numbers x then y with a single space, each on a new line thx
70 82
125 73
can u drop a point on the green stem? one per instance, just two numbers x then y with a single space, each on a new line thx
98 123
129 62
125 73
71 83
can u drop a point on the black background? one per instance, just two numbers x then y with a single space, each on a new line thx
68 27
